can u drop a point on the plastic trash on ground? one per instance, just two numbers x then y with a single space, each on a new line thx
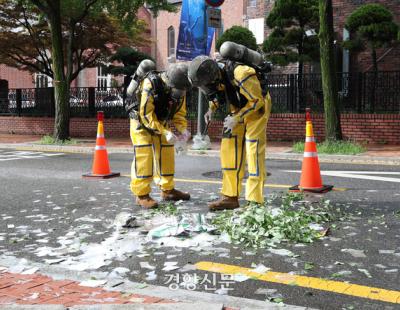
201 142
181 147
169 230
182 227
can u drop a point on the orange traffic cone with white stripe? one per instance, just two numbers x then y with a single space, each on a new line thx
310 180
101 166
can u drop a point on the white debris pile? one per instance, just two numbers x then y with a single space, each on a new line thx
201 142
130 234
182 225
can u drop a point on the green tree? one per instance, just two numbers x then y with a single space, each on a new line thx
240 35
288 42
291 21
130 59
61 25
333 129
372 27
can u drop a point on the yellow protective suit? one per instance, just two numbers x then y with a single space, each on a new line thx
247 141
152 154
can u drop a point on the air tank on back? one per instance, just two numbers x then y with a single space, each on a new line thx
144 67
240 53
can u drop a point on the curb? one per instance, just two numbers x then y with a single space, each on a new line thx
339 159
180 295
181 306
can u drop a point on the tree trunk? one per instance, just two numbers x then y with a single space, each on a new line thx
333 129
61 84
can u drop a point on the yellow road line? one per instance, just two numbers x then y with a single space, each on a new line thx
220 182
309 282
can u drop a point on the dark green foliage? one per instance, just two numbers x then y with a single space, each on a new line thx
238 35
287 43
130 59
373 25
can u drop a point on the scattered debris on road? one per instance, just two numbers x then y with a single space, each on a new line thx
281 219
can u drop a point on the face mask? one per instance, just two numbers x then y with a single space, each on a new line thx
209 89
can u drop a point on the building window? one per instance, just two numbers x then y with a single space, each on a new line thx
171 41
42 81
252 3
103 79
256 26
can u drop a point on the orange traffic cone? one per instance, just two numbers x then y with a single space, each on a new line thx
310 180
101 167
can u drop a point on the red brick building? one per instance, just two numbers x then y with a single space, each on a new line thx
252 14
163 30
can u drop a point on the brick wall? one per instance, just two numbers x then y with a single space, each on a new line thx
372 128
16 78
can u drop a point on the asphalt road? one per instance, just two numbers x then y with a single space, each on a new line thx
49 213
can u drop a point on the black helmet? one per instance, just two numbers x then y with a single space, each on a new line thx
177 76
203 71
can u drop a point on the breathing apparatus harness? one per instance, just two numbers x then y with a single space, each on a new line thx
165 106
234 55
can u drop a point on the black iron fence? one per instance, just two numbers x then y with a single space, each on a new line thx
83 102
359 92
291 93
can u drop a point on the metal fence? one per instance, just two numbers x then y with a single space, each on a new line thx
83 102
359 92
291 93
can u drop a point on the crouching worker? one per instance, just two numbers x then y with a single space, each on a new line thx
157 98
237 80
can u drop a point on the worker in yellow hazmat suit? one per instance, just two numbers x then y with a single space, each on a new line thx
244 137
161 98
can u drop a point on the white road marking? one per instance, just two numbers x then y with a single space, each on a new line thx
367 172
364 175
16 155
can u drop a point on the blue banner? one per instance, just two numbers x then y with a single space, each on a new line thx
195 37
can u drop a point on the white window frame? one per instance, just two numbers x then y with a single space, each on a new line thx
252 3
43 81
103 81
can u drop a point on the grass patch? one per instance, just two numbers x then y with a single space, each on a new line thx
286 218
333 147
51 140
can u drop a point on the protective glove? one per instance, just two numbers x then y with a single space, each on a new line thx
185 136
229 123
208 116
170 137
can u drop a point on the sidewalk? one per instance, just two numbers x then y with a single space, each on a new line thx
57 289
376 154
